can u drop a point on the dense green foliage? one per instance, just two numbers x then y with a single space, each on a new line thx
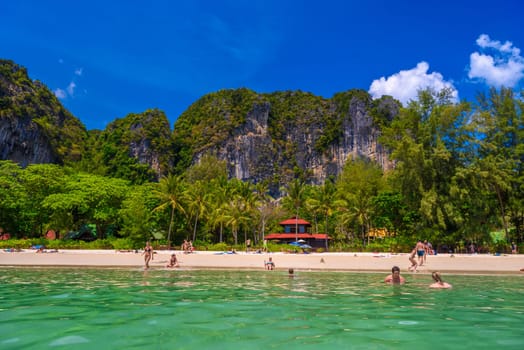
458 177
116 151
458 172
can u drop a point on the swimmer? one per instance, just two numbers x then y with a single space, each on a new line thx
395 277
439 283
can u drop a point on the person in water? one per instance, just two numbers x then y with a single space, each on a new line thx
395 277
439 283
148 254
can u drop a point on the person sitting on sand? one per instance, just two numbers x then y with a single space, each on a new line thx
413 261
173 262
439 283
270 265
395 277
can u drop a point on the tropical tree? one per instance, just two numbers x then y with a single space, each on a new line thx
14 200
361 180
294 199
499 124
264 204
427 142
87 199
138 219
323 201
237 216
171 193
197 196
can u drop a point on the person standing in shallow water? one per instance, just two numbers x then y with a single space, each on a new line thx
148 254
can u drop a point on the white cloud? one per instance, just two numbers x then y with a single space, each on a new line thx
61 94
498 64
71 88
405 85
69 91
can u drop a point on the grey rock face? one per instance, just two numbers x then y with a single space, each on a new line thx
23 142
252 154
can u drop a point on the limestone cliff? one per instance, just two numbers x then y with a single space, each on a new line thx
137 147
278 136
34 126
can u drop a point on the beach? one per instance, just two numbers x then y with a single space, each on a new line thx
353 262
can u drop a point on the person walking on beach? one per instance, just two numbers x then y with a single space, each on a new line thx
421 250
395 277
439 283
513 248
413 261
148 254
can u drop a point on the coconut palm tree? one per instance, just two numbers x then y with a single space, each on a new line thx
197 195
295 199
170 191
322 202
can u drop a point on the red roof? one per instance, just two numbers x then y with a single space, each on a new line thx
299 236
294 221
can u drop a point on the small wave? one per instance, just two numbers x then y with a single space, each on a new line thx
408 323
72 339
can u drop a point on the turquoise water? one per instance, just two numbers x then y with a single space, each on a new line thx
197 309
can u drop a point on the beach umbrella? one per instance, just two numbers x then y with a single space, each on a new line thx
296 244
301 241
305 246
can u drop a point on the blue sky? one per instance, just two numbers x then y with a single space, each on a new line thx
105 59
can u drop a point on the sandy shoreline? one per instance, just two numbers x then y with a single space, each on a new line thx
364 262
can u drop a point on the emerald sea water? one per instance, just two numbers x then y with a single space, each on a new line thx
88 308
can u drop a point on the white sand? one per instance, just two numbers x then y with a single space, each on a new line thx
459 263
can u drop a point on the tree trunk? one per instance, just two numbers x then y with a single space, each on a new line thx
195 228
170 227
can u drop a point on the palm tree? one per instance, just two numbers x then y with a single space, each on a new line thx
323 201
237 216
264 203
171 194
295 198
197 196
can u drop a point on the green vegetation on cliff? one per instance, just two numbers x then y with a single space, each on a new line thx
31 101
137 147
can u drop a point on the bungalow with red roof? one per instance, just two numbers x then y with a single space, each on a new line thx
299 229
